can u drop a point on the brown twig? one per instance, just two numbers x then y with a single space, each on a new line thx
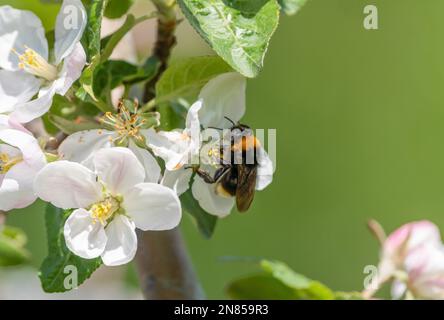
164 267
165 41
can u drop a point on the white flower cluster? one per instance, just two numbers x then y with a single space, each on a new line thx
111 187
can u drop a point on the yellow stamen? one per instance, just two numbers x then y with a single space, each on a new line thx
102 211
6 162
125 123
35 64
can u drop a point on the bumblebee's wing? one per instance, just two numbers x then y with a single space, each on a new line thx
246 185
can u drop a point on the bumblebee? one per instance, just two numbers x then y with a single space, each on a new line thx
237 174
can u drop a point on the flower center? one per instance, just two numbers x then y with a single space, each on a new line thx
35 64
104 210
7 162
127 124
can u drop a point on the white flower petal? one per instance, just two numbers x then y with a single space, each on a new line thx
409 249
119 169
122 242
84 237
67 185
425 267
25 112
178 180
10 150
70 25
82 145
152 168
9 194
265 169
416 233
72 69
223 96
19 28
398 289
16 87
27 144
153 207
7 123
172 146
16 189
192 121
193 129
209 200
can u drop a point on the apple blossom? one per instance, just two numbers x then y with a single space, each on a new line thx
413 256
81 146
20 159
220 99
109 202
25 69
178 147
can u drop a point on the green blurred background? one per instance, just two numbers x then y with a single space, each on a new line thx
359 117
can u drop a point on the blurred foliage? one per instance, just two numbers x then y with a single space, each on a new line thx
278 281
12 242
117 8
46 9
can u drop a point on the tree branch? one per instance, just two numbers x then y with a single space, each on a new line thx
165 41
164 267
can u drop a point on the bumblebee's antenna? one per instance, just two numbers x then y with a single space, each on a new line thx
216 128
232 122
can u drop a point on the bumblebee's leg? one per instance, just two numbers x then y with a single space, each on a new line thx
208 178
221 171
205 176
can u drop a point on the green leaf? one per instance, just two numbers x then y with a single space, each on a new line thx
183 80
291 7
260 287
308 288
250 6
12 242
117 8
206 223
52 272
91 43
68 110
113 73
91 36
278 281
69 127
239 31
